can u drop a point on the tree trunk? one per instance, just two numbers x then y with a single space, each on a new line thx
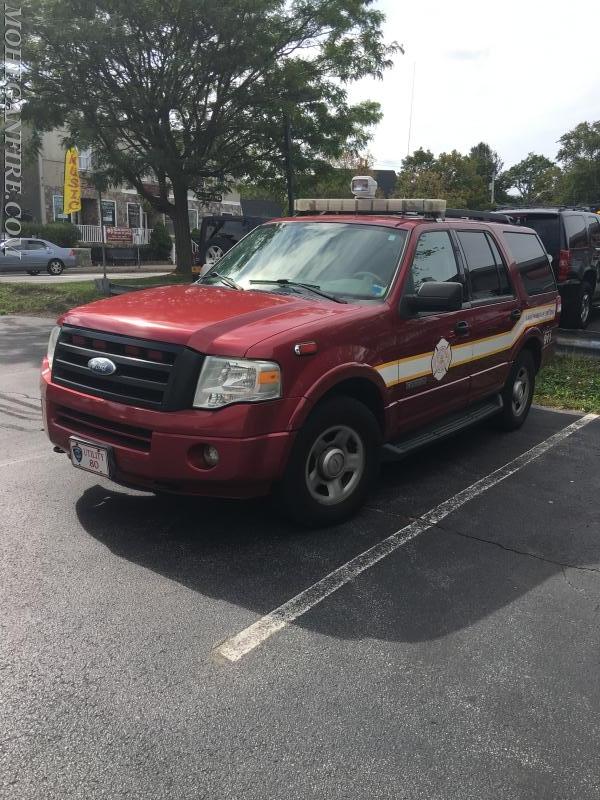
181 225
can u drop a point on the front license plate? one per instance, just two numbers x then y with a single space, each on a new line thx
91 457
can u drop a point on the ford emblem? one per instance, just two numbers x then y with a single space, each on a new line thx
102 366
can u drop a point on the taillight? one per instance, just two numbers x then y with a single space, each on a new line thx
564 264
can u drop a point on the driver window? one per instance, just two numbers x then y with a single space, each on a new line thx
434 260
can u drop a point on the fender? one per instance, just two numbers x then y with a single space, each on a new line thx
330 380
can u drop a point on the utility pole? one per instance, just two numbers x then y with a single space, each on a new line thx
287 154
492 188
102 235
412 101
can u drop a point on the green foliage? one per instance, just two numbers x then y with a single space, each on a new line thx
451 176
580 155
535 178
570 382
160 241
63 234
194 92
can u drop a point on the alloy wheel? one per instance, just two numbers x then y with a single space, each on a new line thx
335 465
520 393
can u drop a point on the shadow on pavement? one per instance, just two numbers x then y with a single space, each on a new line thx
442 582
23 341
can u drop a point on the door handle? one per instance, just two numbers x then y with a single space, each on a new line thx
462 328
516 314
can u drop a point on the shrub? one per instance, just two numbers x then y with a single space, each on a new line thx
160 241
63 234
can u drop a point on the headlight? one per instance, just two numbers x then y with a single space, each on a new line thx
224 381
54 334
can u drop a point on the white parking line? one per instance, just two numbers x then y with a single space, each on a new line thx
242 643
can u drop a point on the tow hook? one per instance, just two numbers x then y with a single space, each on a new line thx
58 449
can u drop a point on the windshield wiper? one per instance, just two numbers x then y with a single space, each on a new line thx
312 287
226 280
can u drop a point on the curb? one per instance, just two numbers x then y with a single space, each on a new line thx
582 342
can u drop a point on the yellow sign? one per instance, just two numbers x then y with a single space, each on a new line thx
72 188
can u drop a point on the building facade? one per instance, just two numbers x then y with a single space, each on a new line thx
122 206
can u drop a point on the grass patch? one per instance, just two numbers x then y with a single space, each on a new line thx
570 382
49 298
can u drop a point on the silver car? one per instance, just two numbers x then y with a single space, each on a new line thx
33 256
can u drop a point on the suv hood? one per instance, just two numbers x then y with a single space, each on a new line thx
210 319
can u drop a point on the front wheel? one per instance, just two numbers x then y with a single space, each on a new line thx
333 463
55 267
517 394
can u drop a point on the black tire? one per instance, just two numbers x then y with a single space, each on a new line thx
577 311
515 409
339 425
212 247
33 272
55 267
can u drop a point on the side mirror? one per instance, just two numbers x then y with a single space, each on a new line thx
436 296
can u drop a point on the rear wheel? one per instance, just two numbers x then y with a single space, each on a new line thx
333 463
214 250
576 312
517 394
55 267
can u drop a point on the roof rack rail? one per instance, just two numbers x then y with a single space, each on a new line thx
480 216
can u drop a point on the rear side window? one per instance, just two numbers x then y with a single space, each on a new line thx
594 231
532 261
547 227
484 263
576 231
434 260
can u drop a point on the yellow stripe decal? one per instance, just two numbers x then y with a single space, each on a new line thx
412 367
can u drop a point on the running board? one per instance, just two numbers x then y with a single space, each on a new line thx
446 427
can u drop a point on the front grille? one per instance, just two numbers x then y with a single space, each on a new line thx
105 430
146 373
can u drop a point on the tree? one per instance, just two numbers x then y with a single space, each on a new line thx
193 94
580 155
452 177
488 166
535 178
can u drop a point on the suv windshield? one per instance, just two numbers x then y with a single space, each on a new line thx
338 258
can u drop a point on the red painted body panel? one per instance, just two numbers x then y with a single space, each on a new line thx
254 439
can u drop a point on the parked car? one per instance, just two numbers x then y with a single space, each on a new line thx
572 237
313 342
33 256
218 234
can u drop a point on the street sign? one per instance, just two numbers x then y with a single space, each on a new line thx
119 235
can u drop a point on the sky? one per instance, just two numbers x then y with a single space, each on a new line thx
514 74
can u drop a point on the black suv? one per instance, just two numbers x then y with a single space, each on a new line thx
572 237
219 234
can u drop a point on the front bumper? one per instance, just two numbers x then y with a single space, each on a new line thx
163 451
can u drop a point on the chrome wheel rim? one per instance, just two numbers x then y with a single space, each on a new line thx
213 254
585 308
520 393
55 267
335 465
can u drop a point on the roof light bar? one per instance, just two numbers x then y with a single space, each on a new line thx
425 206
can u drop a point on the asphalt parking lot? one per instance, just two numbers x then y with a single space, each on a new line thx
461 665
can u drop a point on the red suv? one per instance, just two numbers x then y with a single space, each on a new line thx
314 341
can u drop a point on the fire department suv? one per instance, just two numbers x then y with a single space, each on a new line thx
313 344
